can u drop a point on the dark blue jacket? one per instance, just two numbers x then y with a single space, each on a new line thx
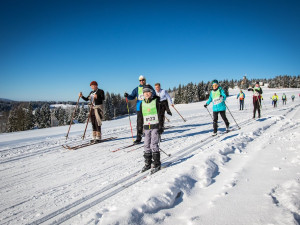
135 94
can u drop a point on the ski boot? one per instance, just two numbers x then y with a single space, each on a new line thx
169 113
138 139
214 134
94 137
156 165
227 128
148 161
98 138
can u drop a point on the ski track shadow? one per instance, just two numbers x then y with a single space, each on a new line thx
228 137
262 119
181 160
176 131
194 125
188 135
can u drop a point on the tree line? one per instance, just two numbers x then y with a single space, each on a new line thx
20 116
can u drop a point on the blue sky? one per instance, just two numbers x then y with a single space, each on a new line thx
51 50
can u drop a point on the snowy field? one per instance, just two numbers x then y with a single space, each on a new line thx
247 176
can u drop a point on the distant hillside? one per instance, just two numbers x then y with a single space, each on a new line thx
5 100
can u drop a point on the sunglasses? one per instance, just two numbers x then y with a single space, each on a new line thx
142 80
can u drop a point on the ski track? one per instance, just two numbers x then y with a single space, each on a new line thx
196 124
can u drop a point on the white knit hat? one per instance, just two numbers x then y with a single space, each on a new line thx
142 77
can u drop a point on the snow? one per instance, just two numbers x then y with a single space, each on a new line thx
248 176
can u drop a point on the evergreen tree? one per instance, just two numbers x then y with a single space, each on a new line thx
29 118
178 95
45 116
37 116
108 107
12 122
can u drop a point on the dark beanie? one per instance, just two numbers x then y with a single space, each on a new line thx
147 88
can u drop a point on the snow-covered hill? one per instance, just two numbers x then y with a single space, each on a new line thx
248 176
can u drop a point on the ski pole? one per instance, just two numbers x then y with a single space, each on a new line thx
232 115
73 117
209 113
87 122
161 149
169 155
179 114
167 119
129 118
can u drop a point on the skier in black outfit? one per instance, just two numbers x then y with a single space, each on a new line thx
96 96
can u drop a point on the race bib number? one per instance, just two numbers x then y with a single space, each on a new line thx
256 94
141 97
217 101
151 119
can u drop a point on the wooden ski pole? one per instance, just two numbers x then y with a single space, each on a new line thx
73 117
179 114
87 122
167 119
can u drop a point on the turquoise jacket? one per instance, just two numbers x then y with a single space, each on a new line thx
220 106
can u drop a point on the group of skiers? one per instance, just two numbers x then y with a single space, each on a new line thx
151 106
275 99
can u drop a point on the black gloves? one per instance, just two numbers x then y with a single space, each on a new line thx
126 95
205 105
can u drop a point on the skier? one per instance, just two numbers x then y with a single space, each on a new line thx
293 97
138 93
257 92
218 97
164 97
274 100
283 99
96 97
152 120
241 96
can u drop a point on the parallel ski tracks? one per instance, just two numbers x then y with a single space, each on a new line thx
120 185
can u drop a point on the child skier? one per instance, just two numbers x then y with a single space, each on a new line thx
96 97
152 122
218 97
241 96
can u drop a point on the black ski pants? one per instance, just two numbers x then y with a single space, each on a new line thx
223 115
257 105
